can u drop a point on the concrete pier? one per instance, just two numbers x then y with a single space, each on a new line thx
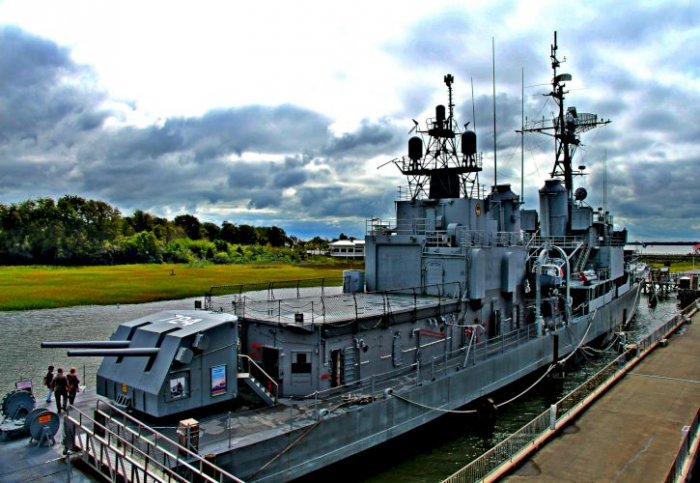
633 432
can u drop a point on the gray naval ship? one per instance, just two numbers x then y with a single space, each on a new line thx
463 294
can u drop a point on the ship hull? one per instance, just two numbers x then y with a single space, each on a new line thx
287 454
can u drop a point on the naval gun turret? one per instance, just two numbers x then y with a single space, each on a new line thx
167 363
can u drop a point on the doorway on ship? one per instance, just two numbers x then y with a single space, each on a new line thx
271 364
337 367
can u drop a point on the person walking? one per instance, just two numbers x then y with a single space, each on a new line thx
48 379
60 390
73 385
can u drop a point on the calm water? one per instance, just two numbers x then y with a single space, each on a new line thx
21 335
429 455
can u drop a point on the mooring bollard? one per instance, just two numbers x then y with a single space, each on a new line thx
553 416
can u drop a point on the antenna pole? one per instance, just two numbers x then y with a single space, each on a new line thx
473 108
493 69
522 135
605 182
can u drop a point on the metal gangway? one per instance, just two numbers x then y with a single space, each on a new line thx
122 448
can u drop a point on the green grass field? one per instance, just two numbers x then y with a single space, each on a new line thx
41 287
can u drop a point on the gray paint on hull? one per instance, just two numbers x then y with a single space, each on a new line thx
363 427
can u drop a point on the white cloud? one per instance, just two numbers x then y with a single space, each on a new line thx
253 110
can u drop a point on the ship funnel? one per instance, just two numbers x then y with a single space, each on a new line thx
504 207
554 214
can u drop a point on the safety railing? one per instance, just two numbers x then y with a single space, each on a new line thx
423 370
339 307
121 447
560 241
274 289
367 389
680 470
461 236
531 433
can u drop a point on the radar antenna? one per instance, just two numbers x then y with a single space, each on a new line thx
567 126
450 165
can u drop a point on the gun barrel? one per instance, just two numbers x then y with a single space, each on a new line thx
95 344
136 352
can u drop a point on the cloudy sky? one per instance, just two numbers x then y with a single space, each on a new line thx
280 113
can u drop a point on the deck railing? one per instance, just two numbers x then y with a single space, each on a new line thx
461 236
298 288
123 448
320 308
680 469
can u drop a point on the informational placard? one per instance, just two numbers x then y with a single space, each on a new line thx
218 380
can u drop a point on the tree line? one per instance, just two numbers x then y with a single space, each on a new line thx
77 231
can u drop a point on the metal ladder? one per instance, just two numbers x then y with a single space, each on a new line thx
581 261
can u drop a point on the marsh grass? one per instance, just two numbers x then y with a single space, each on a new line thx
41 287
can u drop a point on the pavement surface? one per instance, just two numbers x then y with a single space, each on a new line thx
633 432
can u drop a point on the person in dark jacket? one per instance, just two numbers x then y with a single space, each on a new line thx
73 385
48 379
60 390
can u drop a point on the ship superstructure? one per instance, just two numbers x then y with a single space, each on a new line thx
462 294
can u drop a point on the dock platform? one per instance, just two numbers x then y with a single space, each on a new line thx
633 432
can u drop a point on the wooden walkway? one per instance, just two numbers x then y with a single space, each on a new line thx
633 432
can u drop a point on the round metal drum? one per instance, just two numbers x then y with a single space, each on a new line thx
37 419
17 404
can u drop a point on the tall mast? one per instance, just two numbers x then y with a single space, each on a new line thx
522 135
495 153
567 125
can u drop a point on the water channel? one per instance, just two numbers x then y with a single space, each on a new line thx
429 455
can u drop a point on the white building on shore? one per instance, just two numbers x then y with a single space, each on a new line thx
347 249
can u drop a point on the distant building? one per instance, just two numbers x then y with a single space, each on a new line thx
317 252
347 248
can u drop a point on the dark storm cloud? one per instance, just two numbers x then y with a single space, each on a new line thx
34 103
53 142
369 138
285 162
340 202
287 179
637 25
277 129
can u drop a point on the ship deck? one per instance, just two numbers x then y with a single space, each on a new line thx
331 309
22 460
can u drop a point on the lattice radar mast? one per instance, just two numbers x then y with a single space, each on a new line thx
566 126
450 166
